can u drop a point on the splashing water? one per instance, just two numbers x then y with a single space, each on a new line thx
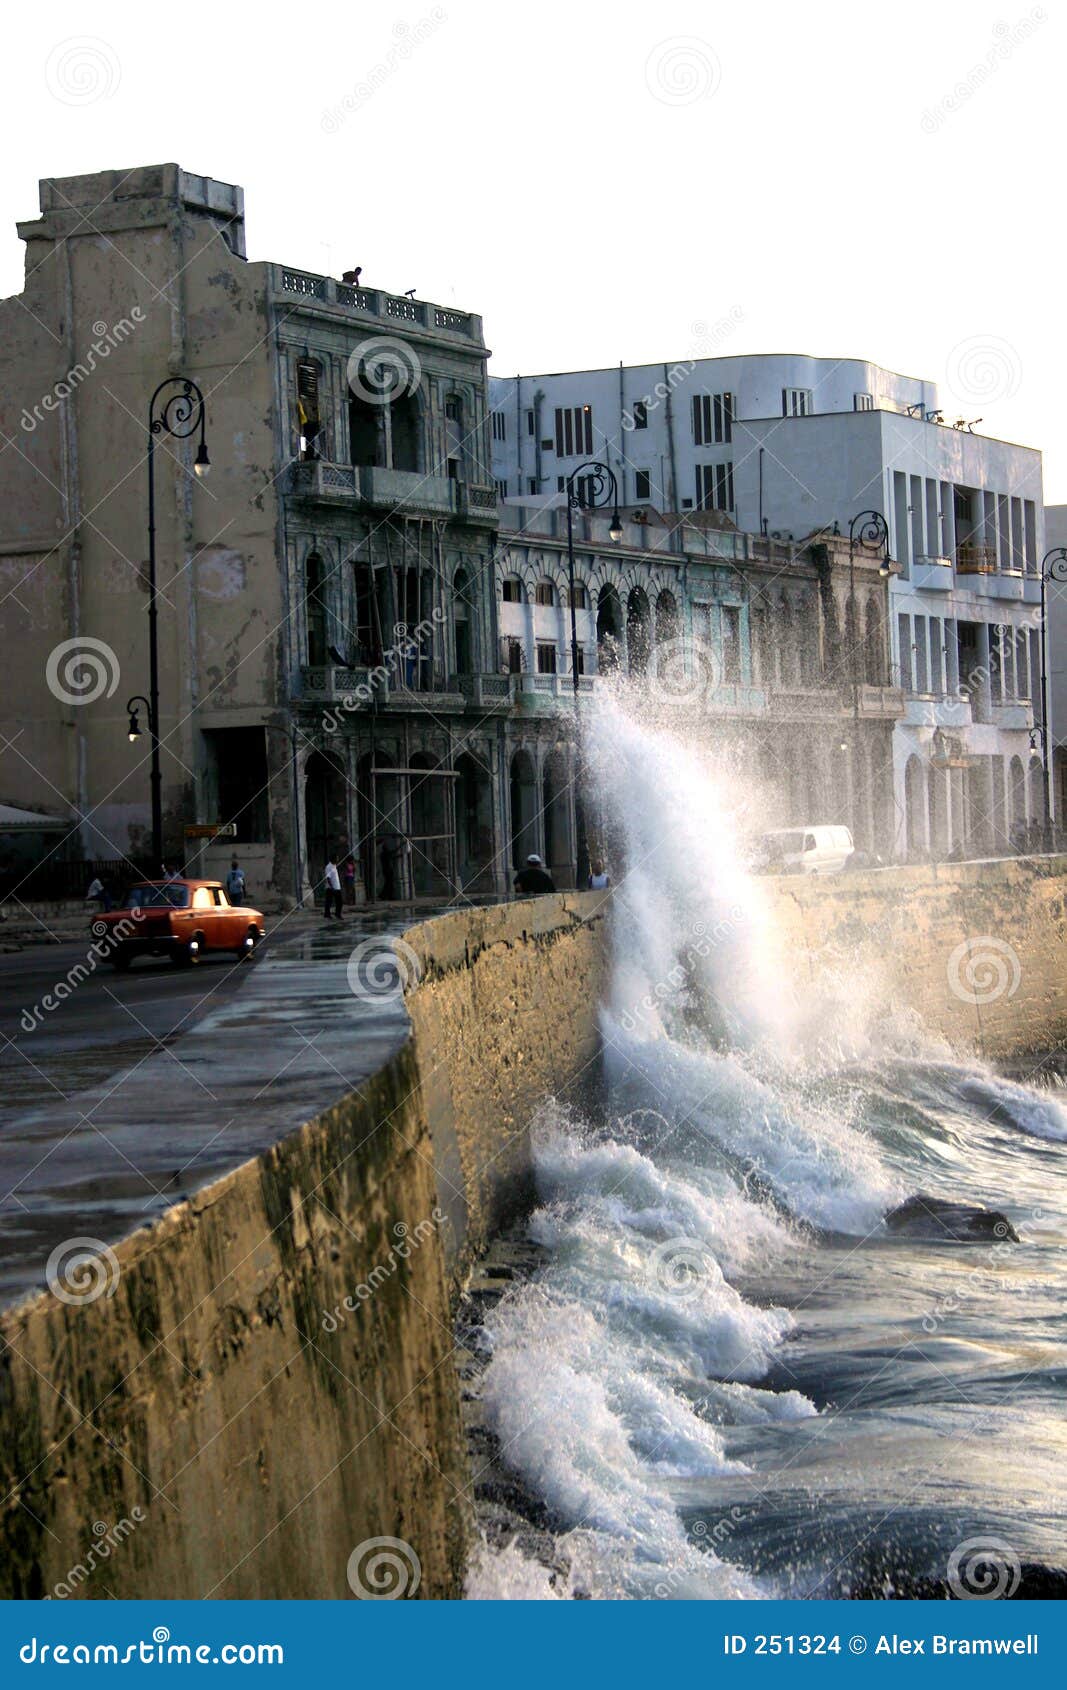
718 1378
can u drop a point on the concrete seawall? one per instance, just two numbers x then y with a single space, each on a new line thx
267 1382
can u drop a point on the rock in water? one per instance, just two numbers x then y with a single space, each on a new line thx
940 1221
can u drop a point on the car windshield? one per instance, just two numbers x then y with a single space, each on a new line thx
170 897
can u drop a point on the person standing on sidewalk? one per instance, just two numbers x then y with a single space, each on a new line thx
333 891
235 884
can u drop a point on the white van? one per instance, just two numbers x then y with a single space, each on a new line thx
805 850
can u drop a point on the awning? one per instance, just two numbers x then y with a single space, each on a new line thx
29 821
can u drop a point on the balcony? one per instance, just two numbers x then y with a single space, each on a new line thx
975 559
366 304
932 574
937 710
1013 716
355 689
407 491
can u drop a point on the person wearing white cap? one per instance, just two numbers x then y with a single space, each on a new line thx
534 877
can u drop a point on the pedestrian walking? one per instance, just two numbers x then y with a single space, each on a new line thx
333 891
348 875
235 884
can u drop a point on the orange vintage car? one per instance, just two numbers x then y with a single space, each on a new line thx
181 919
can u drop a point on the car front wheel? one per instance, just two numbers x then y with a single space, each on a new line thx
248 943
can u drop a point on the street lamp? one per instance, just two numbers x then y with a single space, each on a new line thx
600 489
134 730
175 408
1053 568
870 528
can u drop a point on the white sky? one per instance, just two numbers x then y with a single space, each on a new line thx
597 179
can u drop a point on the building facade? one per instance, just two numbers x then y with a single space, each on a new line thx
792 447
361 648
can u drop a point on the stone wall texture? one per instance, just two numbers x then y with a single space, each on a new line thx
977 950
270 1382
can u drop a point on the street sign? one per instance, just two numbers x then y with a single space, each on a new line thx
211 830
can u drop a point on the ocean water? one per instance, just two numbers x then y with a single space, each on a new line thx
729 1378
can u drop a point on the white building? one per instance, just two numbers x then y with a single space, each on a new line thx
1056 535
785 445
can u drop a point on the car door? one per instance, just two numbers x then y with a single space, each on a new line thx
231 925
205 918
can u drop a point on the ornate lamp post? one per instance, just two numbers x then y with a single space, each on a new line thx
869 528
1053 568
175 408
600 489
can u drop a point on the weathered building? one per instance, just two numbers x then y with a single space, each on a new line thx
350 656
787 445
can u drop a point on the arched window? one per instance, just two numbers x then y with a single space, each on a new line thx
512 590
638 630
545 593
666 618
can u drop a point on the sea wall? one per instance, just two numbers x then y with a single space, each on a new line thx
977 950
263 1381
266 1381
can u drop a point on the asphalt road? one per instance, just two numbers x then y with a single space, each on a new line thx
108 1021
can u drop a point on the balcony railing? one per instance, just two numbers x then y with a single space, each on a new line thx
373 303
975 559
394 489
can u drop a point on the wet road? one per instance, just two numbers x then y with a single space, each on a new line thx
109 1020
139 1089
